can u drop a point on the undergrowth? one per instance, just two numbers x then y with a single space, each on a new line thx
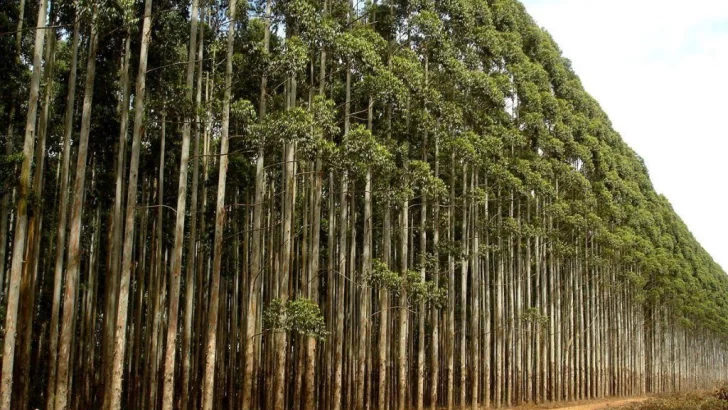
717 400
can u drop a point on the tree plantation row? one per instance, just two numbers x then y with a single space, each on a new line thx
328 204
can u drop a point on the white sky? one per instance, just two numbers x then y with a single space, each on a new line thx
659 68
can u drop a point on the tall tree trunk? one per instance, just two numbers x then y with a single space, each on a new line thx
465 232
384 310
403 310
19 242
63 214
192 246
29 285
179 232
211 348
435 313
74 240
343 220
5 201
365 273
112 285
114 388
451 290
160 268
475 277
423 270
289 191
256 265
309 397
339 295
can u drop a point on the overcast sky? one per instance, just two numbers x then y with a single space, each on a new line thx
659 68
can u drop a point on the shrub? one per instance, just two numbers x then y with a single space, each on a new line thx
685 401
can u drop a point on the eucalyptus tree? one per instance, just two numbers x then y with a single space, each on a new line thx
416 205
21 226
74 246
209 377
114 388
63 214
176 267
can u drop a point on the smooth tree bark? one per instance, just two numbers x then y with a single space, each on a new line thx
160 270
476 307
341 273
21 224
62 218
465 244
111 288
74 240
286 246
420 400
451 291
361 375
213 309
383 351
193 240
30 284
114 389
5 208
403 310
435 310
179 231
256 263
309 396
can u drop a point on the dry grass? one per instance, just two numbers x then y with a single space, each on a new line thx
717 400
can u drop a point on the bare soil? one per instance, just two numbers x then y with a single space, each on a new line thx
604 404
586 405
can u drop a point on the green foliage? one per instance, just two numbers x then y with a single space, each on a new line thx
362 45
384 86
383 278
285 126
243 110
421 178
301 316
293 57
359 150
418 290
532 315
8 165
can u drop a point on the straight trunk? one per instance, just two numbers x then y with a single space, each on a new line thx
74 241
16 268
5 201
384 311
111 288
63 214
451 290
179 231
403 310
211 348
435 359
115 387
192 245
29 285
475 275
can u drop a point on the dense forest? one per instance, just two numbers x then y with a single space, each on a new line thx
328 204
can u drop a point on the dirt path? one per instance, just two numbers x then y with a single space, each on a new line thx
604 404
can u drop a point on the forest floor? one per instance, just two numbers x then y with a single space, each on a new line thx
586 405
603 404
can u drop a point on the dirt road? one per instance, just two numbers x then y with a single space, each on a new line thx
604 404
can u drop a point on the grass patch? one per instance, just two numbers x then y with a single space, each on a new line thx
717 400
